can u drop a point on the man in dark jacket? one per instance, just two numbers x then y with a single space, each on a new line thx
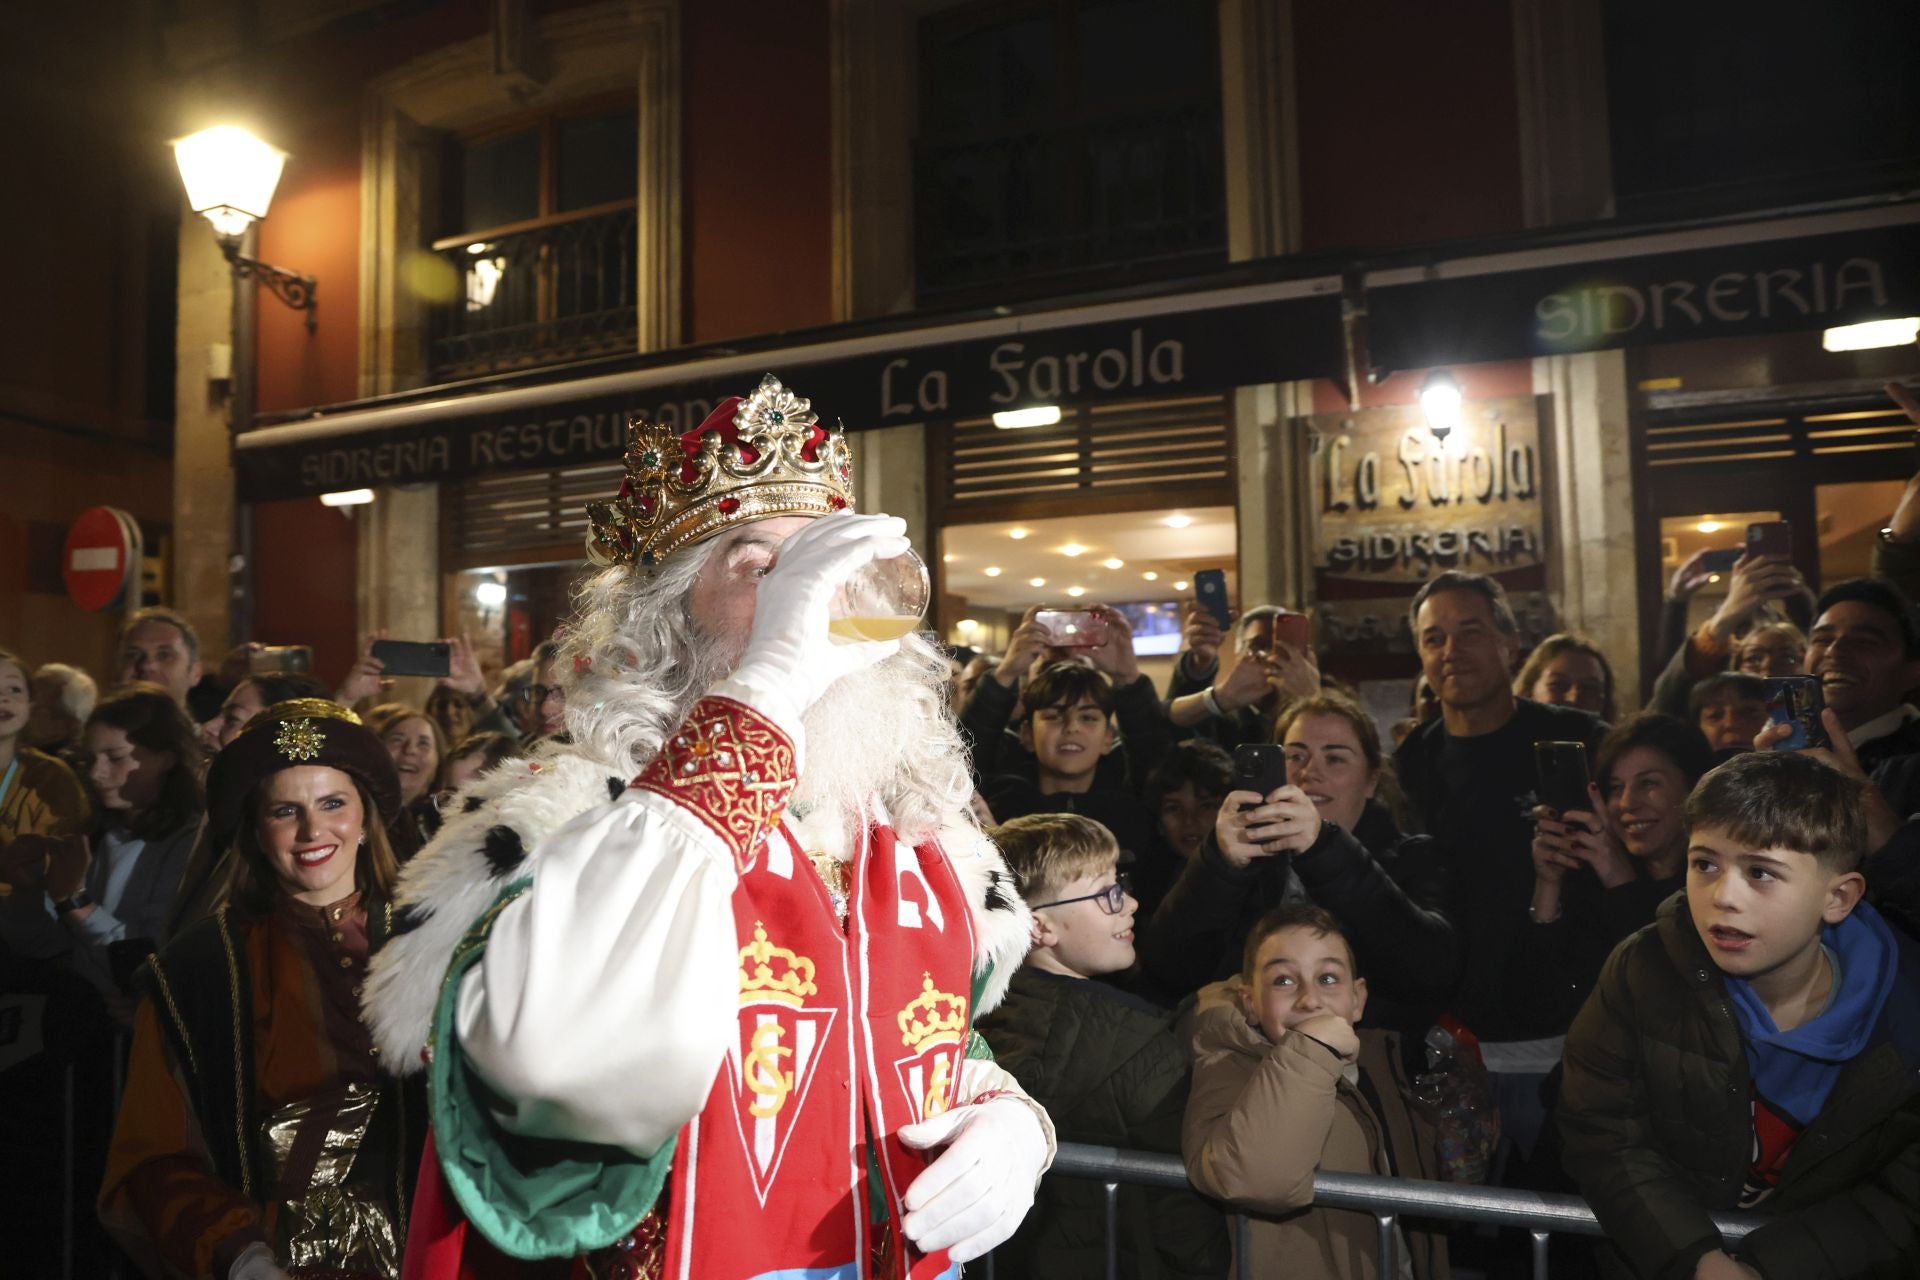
1110 1068
1757 1047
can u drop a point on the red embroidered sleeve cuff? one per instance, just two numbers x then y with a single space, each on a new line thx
730 766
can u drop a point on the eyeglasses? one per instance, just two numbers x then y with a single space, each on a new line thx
1112 899
539 693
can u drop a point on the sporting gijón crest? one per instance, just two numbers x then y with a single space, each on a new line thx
781 1043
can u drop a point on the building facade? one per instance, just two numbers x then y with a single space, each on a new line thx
1228 240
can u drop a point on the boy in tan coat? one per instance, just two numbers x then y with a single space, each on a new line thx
1283 1086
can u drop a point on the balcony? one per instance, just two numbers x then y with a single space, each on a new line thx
546 294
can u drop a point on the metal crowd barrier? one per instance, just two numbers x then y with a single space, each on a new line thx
1541 1214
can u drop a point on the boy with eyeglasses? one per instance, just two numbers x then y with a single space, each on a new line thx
1109 1067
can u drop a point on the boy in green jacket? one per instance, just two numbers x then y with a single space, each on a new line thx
1110 1068
1756 1048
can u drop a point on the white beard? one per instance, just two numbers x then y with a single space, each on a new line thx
884 734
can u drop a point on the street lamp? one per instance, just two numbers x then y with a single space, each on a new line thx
230 176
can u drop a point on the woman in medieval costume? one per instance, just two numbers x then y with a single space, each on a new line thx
258 1137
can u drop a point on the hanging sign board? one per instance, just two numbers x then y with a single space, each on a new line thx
1396 506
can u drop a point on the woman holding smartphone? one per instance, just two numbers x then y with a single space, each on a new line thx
1601 872
1322 834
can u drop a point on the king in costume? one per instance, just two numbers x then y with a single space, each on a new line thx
695 994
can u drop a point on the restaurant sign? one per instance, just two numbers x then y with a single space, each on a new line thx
1768 286
1397 505
1143 356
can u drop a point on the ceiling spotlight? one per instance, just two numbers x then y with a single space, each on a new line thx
969 624
1076 592
1114 564
490 595
947 558
347 498
1177 521
1017 533
992 571
1180 586
1151 576
1073 549
1036 582
1709 526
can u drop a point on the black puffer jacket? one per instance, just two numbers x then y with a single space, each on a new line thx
1656 1115
1111 1070
1386 890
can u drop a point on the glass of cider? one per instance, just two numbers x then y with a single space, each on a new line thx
883 600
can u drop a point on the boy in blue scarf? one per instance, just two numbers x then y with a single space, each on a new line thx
1757 1047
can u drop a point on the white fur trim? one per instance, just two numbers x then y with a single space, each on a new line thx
453 884
451 880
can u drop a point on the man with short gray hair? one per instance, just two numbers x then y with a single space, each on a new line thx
63 698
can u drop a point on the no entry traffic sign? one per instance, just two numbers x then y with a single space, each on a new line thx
101 557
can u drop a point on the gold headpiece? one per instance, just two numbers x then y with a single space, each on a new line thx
292 721
932 1016
765 455
768 972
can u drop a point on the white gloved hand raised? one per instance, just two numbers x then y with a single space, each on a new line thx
256 1263
974 1195
788 650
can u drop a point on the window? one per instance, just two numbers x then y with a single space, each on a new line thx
1717 106
1062 140
540 241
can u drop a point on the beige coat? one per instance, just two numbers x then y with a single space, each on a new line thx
1263 1117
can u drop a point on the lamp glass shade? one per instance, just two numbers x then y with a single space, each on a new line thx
229 174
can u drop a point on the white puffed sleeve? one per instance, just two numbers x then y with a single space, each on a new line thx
606 997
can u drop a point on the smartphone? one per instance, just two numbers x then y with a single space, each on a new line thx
1770 538
1072 628
1563 776
1292 629
412 657
1721 559
1259 767
281 660
1798 701
1210 589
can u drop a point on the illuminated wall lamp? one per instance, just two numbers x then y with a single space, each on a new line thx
347 498
1440 399
1869 334
1045 415
230 176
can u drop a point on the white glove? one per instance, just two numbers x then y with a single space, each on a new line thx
789 650
976 1193
256 1263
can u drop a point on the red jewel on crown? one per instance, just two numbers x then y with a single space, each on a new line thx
754 457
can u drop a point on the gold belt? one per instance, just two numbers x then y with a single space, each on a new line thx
333 1209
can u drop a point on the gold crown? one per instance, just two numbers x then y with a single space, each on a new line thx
766 455
933 1016
770 972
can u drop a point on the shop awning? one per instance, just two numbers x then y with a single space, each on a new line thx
1201 341
1778 276
1551 292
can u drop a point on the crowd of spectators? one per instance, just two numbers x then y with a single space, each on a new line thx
1263 978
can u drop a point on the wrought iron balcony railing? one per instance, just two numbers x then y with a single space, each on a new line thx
550 293
1118 191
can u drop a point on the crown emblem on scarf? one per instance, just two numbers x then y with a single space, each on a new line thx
933 1016
754 457
770 972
